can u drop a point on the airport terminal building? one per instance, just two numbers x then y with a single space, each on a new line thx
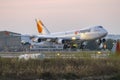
10 41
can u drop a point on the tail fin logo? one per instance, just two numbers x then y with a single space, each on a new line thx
39 26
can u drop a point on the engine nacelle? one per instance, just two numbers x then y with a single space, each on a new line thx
101 41
104 40
39 40
60 41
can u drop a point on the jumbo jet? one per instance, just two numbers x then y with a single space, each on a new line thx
92 33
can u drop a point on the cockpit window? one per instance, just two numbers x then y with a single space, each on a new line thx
100 27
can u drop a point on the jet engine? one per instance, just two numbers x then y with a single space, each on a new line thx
101 41
39 40
60 41
36 40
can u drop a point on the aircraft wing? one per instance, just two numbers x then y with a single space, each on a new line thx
42 36
46 36
54 37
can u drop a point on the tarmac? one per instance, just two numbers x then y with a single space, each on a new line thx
63 54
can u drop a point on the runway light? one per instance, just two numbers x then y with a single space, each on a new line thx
99 52
73 38
58 54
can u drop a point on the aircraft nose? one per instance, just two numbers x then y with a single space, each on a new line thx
105 32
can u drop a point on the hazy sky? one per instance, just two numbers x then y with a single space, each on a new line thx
59 15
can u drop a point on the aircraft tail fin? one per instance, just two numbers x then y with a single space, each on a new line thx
41 28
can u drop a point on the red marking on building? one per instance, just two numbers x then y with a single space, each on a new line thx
7 33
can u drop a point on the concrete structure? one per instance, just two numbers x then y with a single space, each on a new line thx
10 41
116 47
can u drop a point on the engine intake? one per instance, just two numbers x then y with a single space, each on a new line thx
60 41
39 40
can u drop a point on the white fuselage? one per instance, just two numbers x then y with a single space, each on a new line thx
92 33
96 32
